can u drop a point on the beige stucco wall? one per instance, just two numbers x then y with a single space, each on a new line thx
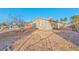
43 24
60 25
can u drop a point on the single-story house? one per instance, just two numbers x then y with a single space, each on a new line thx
14 27
47 24
28 26
55 24
3 28
42 24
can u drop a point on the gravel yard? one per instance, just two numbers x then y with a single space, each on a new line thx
36 40
8 38
70 36
43 41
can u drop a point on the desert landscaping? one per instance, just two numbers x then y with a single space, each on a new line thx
39 35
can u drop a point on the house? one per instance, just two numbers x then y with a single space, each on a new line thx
47 24
55 24
3 28
14 27
42 24
28 26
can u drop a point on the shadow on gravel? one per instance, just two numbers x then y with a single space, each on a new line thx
8 38
70 36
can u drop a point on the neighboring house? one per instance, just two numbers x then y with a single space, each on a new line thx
55 24
3 28
13 26
28 26
42 24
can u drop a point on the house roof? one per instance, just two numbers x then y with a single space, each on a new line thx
48 19
38 19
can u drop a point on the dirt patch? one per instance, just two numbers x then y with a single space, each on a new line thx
43 41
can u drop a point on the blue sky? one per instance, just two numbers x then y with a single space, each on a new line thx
29 14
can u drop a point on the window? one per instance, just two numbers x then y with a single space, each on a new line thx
41 23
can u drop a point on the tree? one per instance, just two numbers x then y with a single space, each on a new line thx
63 20
18 21
75 21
